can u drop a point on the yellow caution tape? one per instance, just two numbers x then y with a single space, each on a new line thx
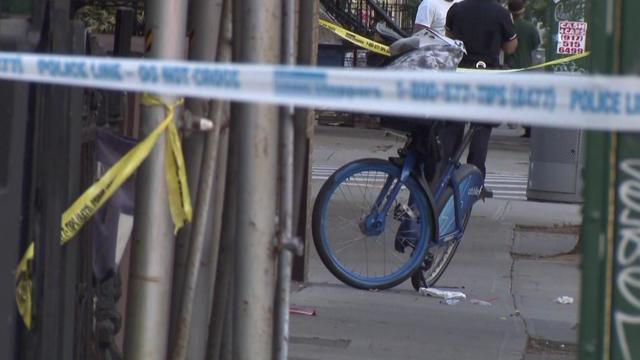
384 49
175 173
560 61
93 198
539 66
357 39
24 286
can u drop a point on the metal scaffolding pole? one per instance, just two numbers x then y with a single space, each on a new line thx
150 280
288 244
224 218
256 180
198 237
222 301
205 23
304 125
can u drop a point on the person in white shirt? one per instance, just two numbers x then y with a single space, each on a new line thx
433 14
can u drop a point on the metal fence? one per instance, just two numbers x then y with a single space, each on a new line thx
361 16
402 12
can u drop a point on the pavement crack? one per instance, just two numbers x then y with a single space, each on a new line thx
513 295
502 211
330 156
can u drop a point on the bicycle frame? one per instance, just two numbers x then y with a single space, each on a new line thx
373 224
448 178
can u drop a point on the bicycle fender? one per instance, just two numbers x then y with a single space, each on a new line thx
470 183
432 206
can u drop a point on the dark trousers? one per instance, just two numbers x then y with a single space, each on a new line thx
479 147
450 138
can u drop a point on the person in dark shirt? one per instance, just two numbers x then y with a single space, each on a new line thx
485 28
528 37
528 41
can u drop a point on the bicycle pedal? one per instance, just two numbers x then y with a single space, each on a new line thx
403 212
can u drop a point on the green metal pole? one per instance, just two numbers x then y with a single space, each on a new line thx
610 314
595 214
593 242
625 304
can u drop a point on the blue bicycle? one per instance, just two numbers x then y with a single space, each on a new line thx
374 221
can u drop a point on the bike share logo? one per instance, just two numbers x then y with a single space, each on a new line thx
475 191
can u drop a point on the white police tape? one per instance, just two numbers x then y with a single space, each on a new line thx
590 102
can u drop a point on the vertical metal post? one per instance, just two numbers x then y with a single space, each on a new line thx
197 241
610 312
14 100
256 178
285 261
152 247
304 124
74 325
224 217
205 300
287 242
56 266
125 21
196 247
222 301
625 303
216 215
203 27
201 151
595 210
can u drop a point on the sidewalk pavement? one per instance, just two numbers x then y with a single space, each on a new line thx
518 255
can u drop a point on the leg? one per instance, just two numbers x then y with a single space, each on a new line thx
479 147
450 137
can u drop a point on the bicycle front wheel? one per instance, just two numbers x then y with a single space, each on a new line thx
357 220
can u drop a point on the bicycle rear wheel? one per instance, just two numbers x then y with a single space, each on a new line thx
357 250
440 255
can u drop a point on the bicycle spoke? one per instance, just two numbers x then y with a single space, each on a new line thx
351 193
349 206
347 222
397 256
368 203
349 243
366 184
354 211
364 195
362 192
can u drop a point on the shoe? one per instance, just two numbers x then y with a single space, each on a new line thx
486 193
408 231
407 235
